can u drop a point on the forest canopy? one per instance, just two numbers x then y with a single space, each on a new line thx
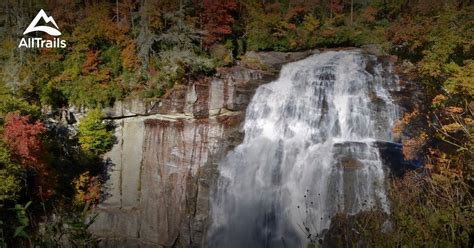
119 49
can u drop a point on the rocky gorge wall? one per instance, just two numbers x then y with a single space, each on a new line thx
164 163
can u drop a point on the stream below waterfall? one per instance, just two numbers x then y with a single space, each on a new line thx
308 152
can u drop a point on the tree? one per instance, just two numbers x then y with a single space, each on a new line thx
352 11
336 7
10 175
24 140
218 19
460 79
93 135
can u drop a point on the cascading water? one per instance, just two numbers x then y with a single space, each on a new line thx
308 152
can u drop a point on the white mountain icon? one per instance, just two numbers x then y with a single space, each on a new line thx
49 30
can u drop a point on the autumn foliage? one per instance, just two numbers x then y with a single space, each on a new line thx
24 139
218 19
336 6
153 49
87 188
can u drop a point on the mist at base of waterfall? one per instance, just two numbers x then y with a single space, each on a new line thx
307 154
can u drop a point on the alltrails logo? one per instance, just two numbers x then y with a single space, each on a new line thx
40 42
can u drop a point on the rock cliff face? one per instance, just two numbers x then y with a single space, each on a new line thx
165 161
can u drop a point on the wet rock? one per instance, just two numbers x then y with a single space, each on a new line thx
349 163
347 155
160 178
373 49
392 157
164 164
274 60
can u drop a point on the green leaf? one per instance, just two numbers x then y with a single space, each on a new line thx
20 232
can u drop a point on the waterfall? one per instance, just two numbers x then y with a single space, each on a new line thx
308 152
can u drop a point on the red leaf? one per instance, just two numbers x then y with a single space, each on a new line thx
218 19
24 140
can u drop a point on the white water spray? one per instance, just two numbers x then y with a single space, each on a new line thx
307 154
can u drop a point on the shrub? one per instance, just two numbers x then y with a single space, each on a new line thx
221 54
87 189
93 135
24 138
10 176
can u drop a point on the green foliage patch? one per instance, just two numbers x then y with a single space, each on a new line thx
94 137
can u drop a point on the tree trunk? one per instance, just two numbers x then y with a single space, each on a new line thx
117 10
330 9
352 11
